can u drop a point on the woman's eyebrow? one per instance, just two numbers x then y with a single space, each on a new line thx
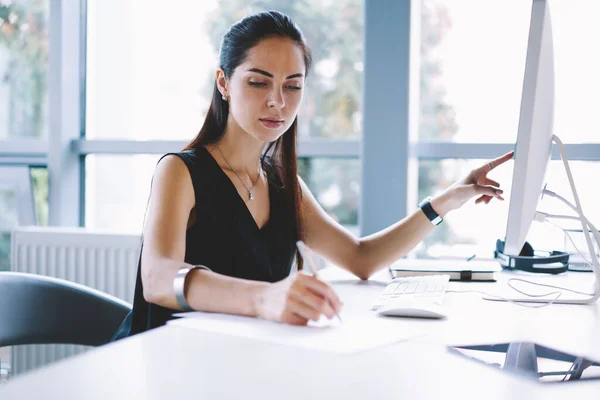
265 73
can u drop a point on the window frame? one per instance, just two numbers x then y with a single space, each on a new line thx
387 149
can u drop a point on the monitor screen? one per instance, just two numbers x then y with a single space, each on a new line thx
534 140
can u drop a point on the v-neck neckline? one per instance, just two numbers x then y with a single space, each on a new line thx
231 185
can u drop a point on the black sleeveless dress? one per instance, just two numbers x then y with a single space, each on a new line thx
225 237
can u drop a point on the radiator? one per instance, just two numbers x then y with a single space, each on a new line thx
100 260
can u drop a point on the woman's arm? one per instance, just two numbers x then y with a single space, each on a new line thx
171 202
363 257
294 300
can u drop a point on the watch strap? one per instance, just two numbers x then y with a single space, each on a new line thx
429 212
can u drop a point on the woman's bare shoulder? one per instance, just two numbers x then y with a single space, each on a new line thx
172 173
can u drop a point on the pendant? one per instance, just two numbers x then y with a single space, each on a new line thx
251 195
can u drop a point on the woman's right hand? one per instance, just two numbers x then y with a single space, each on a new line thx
297 299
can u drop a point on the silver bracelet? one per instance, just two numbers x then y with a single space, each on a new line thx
179 286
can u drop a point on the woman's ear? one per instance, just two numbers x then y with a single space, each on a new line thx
222 83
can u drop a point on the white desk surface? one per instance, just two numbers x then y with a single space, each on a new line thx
176 363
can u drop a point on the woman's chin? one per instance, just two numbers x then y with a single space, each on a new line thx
269 136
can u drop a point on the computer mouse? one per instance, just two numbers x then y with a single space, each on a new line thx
413 309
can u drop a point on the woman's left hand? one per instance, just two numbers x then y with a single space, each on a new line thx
475 184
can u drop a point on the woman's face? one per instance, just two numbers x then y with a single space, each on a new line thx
265 91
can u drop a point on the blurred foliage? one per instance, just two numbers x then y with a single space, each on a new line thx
8 219
23 32
331 107
8 212
335 184
4 251
335 31
436 117
24 41
39 177
332 99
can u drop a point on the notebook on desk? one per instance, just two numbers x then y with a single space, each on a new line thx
459 270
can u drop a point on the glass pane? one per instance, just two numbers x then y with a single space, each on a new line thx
335 183
577 64
39 178
473 66
473 229
8 220
117 189
161 86
24 69
9 210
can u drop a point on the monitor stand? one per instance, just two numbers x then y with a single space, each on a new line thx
533 361
567 297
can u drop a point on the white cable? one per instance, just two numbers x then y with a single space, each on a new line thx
541 217
586 226
544 285
522 303
587 261
558 196
545 215
572 206
552 286
584 221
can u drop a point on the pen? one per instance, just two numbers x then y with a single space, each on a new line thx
305 254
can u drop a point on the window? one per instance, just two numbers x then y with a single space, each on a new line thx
19 205
464 45
473 67
150 76
23 69
471 80
473 229
8 220
118 188
335 183
150 67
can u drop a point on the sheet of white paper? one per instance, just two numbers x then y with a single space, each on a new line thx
355 334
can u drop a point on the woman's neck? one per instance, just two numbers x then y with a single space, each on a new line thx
241 150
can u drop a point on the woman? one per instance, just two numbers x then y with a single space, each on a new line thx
232 201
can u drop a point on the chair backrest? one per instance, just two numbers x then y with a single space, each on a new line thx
36 309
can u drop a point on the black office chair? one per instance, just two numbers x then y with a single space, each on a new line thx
37 309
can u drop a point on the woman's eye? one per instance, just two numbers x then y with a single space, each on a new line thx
294 87
257 84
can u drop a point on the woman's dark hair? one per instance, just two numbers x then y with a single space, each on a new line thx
236 43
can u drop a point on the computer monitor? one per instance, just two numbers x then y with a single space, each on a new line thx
534 141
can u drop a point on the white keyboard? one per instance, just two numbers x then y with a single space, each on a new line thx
430 288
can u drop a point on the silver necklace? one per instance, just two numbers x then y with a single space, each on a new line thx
250 193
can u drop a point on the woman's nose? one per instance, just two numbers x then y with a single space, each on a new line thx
276 99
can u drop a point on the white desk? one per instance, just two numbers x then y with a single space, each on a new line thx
173 362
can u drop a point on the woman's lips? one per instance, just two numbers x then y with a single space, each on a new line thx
271 123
